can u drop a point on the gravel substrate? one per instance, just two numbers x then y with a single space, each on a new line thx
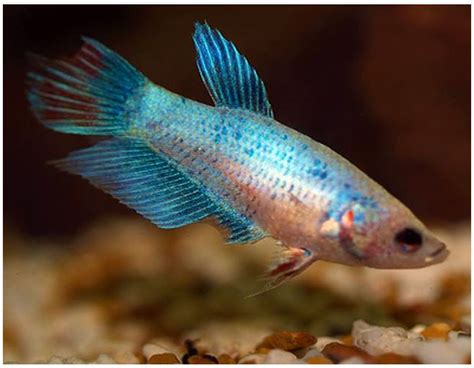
125 292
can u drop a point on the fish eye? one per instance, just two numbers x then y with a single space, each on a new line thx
409 240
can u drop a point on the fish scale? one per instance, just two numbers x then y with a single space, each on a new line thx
177 161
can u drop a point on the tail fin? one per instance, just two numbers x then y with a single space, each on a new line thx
88 94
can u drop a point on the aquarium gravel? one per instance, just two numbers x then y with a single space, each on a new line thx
122 291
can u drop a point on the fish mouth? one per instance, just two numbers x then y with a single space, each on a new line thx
439 255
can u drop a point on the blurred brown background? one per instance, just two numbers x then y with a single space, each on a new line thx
386 86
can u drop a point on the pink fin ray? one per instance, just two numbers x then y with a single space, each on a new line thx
291 262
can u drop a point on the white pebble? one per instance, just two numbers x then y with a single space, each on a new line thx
352 360
253 359
74 360
277 356
453 351
418 329
55 359
323 341
125 357
160 346
104 359
379 340
312 353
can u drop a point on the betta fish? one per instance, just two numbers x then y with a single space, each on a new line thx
176 161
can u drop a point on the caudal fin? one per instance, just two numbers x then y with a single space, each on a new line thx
92 93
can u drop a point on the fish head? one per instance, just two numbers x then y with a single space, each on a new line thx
390 237
406 241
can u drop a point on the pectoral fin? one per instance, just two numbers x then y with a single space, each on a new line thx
291 262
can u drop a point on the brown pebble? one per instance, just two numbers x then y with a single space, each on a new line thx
319 360
262 350
226 359
125 357
347 340
201 359
436 331
164 358
338 352
141 358
287 341
300 353
392 358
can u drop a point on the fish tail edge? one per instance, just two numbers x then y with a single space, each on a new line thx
91 93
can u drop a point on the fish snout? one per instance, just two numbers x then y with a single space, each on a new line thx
438 255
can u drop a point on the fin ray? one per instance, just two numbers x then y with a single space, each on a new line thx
154 186
87 94
287 265
228 76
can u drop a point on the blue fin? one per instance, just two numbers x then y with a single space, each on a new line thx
90 93
155 187
228 76
238 229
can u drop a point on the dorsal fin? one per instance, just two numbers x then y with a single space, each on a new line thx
228 76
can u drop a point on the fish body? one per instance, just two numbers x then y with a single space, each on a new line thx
178 161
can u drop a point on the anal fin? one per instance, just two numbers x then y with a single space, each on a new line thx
291 262
156 187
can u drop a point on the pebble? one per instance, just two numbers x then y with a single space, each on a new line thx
323 341
55 359
226 359
318 360
286 340
300 353
457 334
436 331
104 359
353 360
262 350
392 358
74 360
202 359
312 353
84 332
232 338
465 323
253 359
454 351
277 356
347 340
379 340
125 357
345 354
418 329
337 352
159 346
163 358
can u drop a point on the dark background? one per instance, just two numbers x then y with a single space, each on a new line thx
386 86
